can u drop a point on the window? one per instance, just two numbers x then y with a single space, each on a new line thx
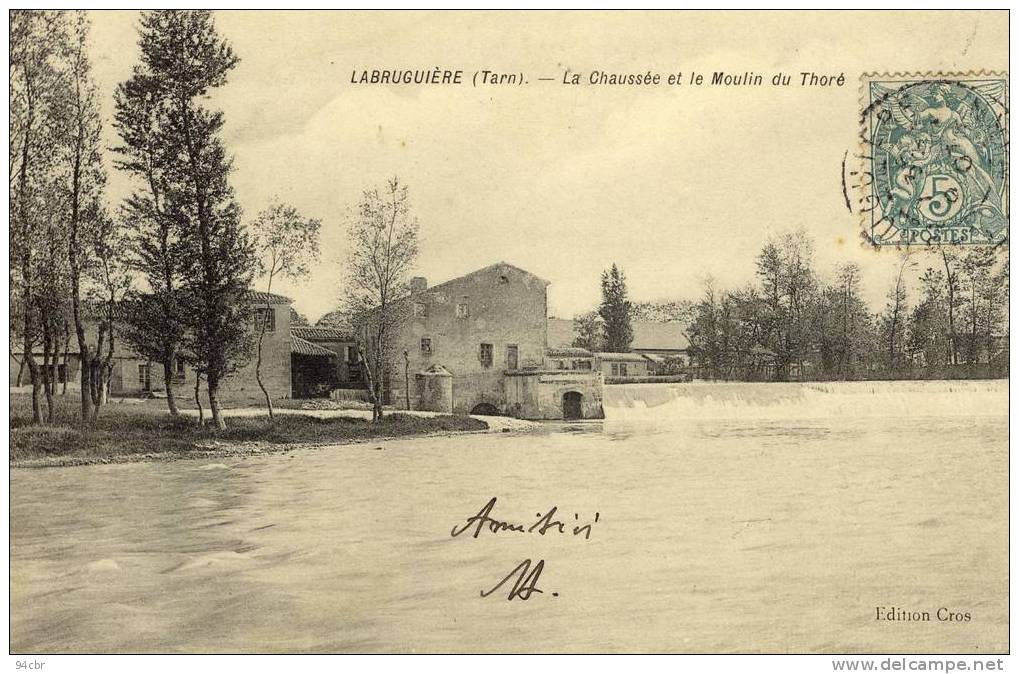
462 311
144 376
622 369
178 370
503 280
261 314
615 369
486 355
583 365
426 345
512 356
420 309
61 373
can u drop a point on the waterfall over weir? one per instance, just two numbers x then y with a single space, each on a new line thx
805 400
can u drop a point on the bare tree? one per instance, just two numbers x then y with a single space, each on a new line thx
88 228
384 245
36 43
286 243
894 318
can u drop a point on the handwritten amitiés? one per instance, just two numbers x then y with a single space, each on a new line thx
543 524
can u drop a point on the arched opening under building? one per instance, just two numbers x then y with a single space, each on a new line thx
572 405
485 410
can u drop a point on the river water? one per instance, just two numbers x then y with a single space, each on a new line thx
731 518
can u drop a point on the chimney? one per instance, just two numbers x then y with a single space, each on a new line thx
418 284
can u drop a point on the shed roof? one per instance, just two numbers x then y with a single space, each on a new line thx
303 347
627 357
568 352
321 333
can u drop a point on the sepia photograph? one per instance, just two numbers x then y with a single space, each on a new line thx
510 332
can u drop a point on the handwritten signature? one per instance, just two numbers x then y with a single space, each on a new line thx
544 524
526 583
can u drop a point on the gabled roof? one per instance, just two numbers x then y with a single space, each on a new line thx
476 272
316 333
305 348
260 297
647 335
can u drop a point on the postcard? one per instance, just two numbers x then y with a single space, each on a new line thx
509 332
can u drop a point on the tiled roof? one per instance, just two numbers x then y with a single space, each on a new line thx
305 348
260 297
321 333
497 265
647 336
568 352
626 357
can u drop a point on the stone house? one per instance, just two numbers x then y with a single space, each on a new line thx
133 375
477 345
668 341
621 365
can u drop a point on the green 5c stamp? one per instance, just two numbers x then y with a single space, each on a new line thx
935 153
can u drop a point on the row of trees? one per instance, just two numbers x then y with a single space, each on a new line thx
793 323
169 271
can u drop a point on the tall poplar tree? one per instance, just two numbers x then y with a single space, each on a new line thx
172 141
615 311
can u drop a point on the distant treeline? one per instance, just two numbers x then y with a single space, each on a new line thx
791 324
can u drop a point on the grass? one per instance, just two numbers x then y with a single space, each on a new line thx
130 431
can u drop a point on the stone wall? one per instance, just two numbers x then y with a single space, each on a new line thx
242 387
539 395
504 307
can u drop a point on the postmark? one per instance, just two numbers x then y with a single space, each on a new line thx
934 159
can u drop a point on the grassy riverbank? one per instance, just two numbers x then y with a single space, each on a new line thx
141 430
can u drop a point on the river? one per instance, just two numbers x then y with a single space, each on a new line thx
731 518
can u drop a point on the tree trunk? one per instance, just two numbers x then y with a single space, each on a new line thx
258 360
171 398
373 390
198 399
67 355
47 370
33 371
217 414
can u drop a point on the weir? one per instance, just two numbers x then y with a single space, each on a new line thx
805 400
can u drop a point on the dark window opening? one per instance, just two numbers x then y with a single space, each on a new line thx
486 355
512 356
426 345
262 315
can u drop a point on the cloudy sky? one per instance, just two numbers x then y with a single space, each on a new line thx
671 183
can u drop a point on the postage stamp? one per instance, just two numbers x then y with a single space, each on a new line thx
935 159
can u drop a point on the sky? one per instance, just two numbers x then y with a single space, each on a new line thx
673 184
